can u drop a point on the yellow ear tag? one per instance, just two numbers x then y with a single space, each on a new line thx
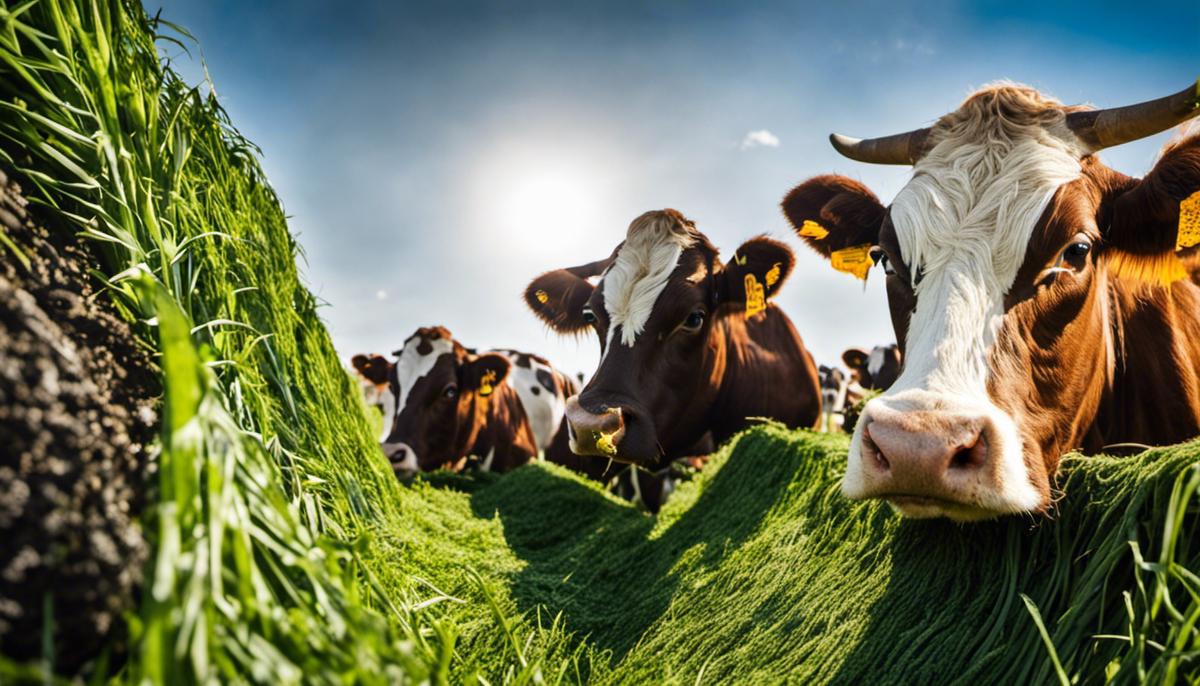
541 296
1189 222
756 300
739 260
773 274
855 260
487 383
811 229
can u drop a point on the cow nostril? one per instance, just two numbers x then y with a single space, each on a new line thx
970 457
870 446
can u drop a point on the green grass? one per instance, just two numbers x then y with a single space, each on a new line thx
284 549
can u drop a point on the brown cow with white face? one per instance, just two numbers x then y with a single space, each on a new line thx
504 407
1043 301
688 344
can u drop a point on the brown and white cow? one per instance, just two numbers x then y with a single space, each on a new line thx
1043 301
688 344
373 373
503 407
873 371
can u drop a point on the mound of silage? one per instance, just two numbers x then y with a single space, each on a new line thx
760 571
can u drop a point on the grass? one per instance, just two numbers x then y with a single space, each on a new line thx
285 551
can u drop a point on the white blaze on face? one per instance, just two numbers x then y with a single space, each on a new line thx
640 272
411 366
963 224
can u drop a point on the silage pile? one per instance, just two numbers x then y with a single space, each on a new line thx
280 548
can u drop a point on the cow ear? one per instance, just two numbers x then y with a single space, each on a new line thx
839 218
485 373
854 358
359 362
558 297
756 272
1157 218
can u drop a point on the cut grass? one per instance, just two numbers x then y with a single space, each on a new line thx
285 550
760 571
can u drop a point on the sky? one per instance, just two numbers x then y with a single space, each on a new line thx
433 158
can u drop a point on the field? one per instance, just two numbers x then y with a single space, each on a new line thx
273 544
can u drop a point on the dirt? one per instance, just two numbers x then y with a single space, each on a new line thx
76 426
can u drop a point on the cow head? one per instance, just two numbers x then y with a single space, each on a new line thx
372 368
658 306
833 388
998 254
876 370
441 393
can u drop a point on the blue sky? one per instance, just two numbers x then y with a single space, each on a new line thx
434 158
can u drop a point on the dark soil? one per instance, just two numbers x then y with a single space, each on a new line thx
76 425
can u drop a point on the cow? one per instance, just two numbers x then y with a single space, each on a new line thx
495 411
1043 301
835 387
873 371
688 345
373 372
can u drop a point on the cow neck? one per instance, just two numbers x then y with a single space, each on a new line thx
1152 393
501 429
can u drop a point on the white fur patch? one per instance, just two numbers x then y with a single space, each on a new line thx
640 272
964 222
875 361
486 465
387 401
544 409
412 365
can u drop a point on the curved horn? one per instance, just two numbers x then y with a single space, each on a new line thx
902 148
1099 129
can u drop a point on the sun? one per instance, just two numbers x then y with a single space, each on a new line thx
546 205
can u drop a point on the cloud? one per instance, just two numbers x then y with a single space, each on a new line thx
381 294
762 137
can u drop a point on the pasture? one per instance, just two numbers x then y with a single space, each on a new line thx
280 547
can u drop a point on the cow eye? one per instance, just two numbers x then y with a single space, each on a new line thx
1077 251
879 257
450 392
1075 254
694 321
589 316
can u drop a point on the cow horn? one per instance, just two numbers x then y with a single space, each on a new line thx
1099 129
902 148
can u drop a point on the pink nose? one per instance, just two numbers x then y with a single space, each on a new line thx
594 433
925 455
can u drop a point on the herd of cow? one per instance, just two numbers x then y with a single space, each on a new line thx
1042 303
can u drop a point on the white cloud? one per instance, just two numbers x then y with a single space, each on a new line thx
381 294
762 137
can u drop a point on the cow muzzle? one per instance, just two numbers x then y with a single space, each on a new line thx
402 457
595 433
930 456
